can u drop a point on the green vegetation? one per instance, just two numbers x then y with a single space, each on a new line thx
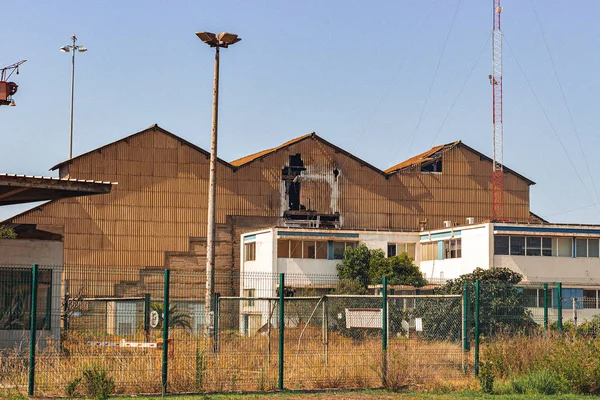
362 267
7 232
177 319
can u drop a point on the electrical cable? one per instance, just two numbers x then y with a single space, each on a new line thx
460 91
564 98
437 68
550 123
388 86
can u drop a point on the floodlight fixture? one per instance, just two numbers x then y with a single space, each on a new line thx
65 49
81 49
228 39
208 38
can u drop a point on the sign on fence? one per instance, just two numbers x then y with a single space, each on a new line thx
363 318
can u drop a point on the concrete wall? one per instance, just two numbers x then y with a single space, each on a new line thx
553 269
27 252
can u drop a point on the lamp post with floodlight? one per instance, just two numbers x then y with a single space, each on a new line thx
72 48
224 39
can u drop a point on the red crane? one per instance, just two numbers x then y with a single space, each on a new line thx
496 82
8 89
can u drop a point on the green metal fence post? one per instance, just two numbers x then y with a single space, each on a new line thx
559 321
216 327
165 344
384 331
281 327
147 316
477 327
465 330
33 329
545 306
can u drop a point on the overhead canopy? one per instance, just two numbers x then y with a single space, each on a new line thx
16 189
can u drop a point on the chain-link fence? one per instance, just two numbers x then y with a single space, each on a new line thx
259 332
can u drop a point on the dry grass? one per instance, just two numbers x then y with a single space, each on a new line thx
248 364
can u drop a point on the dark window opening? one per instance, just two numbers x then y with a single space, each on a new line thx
435 166
289 175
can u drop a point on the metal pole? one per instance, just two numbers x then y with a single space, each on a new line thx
147 315
212 197
32 329
326 330
216 327
384 331
545 306
465 318
281 328
559 310
575 313
477 327
73 48
165 349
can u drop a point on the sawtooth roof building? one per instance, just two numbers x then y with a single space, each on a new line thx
156 217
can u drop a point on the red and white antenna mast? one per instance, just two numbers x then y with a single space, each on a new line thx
496 81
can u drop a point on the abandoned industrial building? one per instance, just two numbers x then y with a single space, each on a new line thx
156 215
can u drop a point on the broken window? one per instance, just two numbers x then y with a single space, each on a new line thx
290 174
434 166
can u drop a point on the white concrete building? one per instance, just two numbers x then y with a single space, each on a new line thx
569 254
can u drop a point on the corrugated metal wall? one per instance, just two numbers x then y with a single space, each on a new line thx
161 199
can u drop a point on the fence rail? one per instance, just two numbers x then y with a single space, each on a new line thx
146 330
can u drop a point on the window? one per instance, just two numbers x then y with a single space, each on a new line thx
435 166
249 293
302 249
586 247
250 251
283 248
517 246
532 246
429 251
391 249
565 247
395 249
453 248
501 245
590 300
339 248
581 247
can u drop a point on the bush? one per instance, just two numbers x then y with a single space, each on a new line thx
486 376
543 382
97 382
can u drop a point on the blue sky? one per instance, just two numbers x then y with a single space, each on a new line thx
384 80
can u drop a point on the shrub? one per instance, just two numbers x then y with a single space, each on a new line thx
71 388
486 376
97 382
543 382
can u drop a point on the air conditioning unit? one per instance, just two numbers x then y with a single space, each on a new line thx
470 221
447 224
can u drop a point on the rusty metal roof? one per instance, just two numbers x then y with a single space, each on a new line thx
244 160
429 155
16 189
437 151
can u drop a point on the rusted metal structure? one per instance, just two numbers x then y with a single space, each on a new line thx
157 215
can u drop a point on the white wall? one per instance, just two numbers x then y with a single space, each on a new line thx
380 240
300 266
476 248
553 269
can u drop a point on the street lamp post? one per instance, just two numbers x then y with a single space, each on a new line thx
66 49
224 40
